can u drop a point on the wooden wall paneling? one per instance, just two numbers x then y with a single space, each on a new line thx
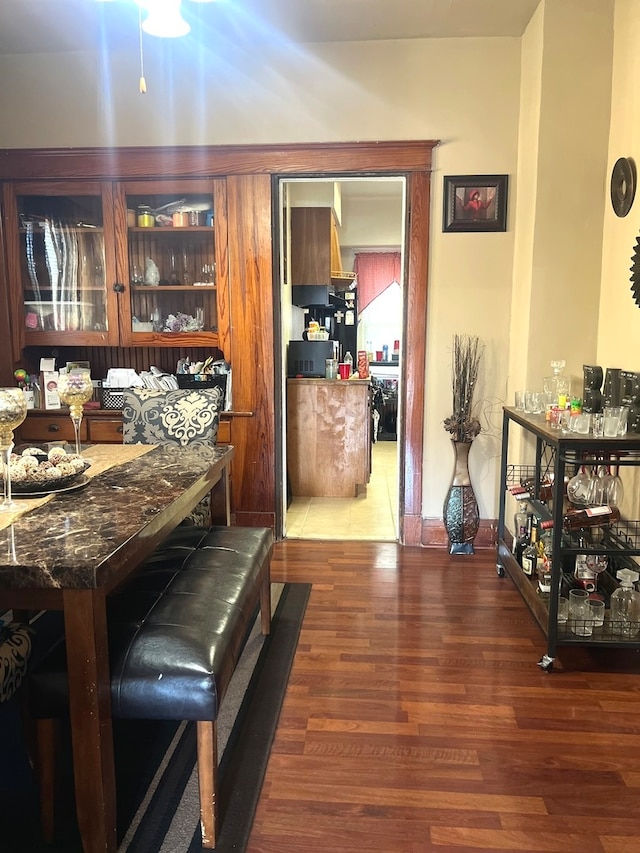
202 161
253 474
221 221
13 297
413 387
8 359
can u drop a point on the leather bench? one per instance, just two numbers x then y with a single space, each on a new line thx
176 632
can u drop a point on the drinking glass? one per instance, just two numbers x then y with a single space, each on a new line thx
598 424
13 411
596 608
580 619
612 416
74 389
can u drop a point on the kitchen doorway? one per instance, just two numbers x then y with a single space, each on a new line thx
369 214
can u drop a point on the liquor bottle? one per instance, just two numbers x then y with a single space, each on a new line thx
543 567
557 387
530 553
625 605
520 531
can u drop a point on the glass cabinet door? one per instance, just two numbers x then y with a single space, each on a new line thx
65 261
171 263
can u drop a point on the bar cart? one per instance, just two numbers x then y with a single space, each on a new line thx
560 454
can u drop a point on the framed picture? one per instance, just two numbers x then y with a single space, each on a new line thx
475 203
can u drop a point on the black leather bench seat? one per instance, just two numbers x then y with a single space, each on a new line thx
176 630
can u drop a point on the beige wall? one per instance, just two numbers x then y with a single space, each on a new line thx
619 318
535 109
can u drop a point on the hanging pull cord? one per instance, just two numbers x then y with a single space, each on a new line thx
143 82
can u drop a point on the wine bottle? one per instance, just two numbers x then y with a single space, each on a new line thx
530 553
591 516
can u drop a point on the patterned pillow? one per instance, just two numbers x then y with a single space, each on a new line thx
15 649
184 417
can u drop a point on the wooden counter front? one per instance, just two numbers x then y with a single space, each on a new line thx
328 437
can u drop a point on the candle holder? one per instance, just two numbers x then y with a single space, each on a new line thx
74 389
13 411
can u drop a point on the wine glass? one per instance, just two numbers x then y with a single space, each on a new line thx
13 410
578 487
74 389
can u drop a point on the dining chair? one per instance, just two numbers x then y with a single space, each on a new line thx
15 651
185 417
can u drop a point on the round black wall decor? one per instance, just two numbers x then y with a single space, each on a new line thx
623 185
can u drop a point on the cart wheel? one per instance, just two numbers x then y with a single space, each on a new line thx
546 663
500 570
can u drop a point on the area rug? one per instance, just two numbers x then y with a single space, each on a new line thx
158 803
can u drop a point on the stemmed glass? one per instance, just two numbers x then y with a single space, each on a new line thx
13 410
74 389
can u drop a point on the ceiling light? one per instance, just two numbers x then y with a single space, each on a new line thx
164 19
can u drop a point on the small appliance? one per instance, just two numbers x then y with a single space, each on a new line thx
308 358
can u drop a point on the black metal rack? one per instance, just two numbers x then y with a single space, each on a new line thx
559 454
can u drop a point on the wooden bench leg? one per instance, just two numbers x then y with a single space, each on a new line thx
265 605
207 736
45 762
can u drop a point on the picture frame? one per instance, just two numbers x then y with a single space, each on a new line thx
475 203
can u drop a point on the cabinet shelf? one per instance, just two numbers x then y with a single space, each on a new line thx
154 288
171 229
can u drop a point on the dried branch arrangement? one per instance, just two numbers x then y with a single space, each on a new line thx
465 364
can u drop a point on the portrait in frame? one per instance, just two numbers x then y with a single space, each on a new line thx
475 203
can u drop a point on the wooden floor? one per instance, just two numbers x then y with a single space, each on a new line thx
417 719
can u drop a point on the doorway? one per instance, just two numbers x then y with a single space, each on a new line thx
369 215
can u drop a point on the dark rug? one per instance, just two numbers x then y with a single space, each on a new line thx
158 806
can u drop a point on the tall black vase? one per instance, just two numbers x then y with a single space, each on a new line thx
460 512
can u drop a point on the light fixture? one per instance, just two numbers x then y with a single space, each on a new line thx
164 19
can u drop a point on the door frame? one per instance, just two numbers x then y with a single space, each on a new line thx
412 161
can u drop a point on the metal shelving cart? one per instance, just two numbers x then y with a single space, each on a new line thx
559 454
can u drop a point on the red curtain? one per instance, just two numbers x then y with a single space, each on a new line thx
375 271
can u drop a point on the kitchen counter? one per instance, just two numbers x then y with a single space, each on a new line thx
328 437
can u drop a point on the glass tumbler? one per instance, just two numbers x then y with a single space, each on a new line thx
612 415
580 617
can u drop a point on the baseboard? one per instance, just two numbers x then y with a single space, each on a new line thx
434 534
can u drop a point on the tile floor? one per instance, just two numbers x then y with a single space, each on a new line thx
371 517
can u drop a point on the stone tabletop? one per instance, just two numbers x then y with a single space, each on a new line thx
77 539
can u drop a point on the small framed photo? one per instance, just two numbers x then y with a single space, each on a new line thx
475 203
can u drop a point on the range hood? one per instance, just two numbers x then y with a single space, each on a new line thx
307 295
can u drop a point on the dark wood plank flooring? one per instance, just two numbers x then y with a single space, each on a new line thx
417 718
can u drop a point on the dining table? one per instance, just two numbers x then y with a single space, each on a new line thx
69 549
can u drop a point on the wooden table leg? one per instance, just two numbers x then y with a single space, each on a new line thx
90 714
221 499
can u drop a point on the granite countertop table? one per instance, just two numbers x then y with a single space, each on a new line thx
78 539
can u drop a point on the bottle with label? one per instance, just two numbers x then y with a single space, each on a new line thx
530 553
348 359
625 605
385 352
543 566
520 530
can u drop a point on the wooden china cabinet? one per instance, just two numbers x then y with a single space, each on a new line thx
84 272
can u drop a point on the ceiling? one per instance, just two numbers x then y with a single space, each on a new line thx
52 26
